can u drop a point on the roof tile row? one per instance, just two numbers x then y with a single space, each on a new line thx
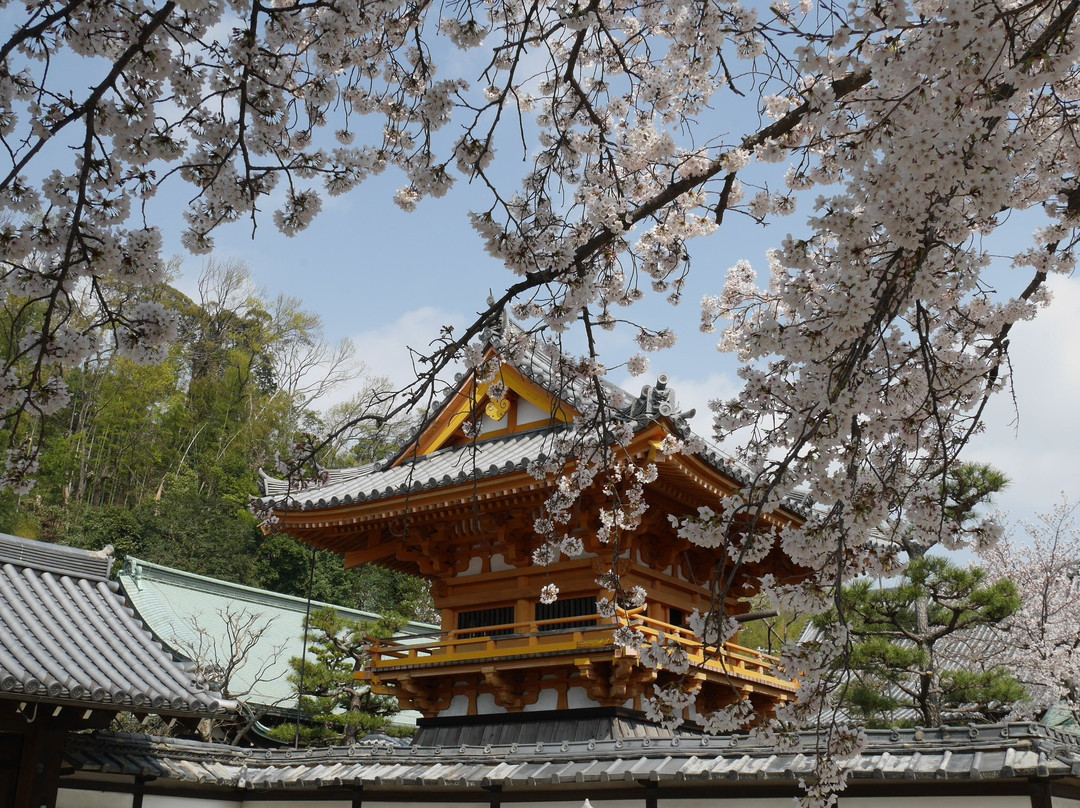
953 753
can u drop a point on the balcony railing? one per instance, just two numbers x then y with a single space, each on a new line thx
582 635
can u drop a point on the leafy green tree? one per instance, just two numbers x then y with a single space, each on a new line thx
284 565
336 706
913 645
109 525
193 528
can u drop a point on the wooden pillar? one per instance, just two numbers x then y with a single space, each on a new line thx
10 755
524 610
39 767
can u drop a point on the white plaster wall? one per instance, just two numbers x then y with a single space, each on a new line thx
1064 802
459 705
579 697
157 801
78 798
298 803
577 803
405 802
1018 801
777 802
548 700
476 566
498 563
529 413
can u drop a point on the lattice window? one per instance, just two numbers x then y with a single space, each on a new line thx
479 618
566 607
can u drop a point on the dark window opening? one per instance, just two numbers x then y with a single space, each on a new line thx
677 617
486 617
566 607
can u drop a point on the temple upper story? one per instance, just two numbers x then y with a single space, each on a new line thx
459 505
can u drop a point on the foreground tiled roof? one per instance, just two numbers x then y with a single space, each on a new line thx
188 611
958 753
67 637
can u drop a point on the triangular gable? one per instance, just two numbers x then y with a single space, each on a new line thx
524 405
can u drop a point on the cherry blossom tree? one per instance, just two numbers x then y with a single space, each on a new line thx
1043 638
907 131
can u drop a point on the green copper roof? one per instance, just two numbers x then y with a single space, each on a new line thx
191 614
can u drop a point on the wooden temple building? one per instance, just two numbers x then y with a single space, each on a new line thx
458 506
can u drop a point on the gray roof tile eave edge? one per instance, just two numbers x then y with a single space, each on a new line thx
1023 738
221 707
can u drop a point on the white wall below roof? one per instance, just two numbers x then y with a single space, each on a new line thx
159 801
485 705
405 802
459 705
578 802
775 802
298 802
78 798
579 697
1018 801
476 566
547 700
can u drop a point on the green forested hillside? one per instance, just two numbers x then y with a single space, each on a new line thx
159 460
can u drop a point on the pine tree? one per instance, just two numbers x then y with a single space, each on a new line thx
337 708
916 645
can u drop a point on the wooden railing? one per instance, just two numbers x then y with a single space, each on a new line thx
583 634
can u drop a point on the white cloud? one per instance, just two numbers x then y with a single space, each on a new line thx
384 350
695 394
1037 441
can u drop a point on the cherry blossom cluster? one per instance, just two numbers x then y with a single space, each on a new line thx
1041 641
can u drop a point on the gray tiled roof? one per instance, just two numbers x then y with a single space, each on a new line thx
442 468
446 467
68 637
958 753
